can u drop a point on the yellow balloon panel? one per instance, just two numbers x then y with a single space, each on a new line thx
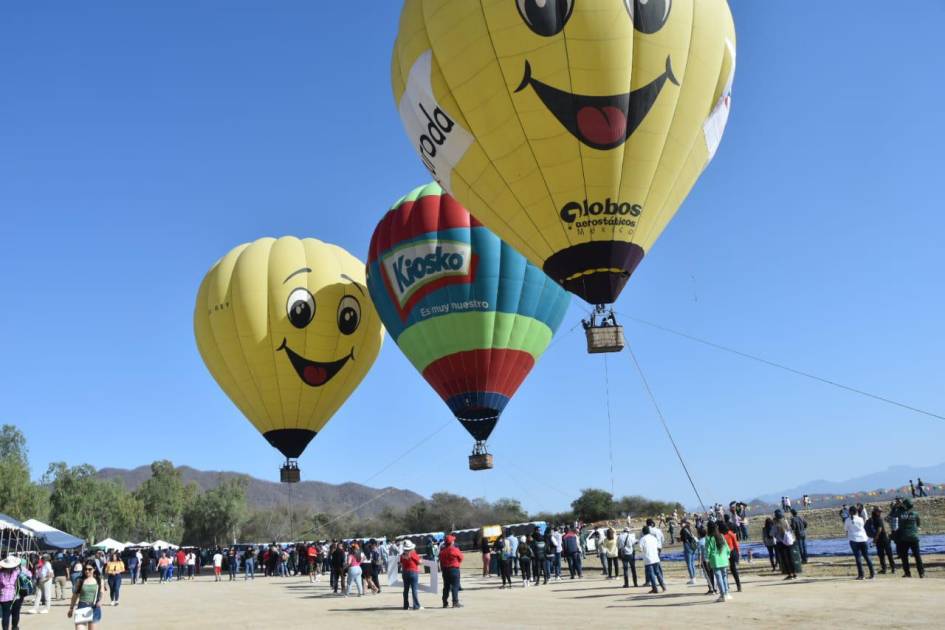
287 331
574 129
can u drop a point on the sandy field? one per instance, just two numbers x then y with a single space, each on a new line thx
826 595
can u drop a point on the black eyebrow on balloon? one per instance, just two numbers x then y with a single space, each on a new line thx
294 273
352 281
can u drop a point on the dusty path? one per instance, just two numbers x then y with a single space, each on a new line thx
828 600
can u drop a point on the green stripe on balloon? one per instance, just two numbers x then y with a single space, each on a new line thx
460 332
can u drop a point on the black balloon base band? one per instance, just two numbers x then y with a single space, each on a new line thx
290 442
595 271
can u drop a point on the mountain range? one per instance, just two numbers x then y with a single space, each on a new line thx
892 477
319 496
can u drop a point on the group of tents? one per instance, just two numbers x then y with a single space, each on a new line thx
34 535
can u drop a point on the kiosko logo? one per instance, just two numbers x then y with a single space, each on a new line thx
441 141
420 268
600 213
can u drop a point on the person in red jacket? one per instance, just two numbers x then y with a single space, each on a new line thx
450 560
734 552
410 570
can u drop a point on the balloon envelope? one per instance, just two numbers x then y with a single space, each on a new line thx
287 330
467 310
573 129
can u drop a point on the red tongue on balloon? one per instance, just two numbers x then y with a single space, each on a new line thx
314 375
602 125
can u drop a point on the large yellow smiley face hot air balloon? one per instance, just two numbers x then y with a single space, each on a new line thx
288 331
573 129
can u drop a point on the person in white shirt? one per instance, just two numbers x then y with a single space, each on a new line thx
650 546
625 548
859 543
191 565
217 566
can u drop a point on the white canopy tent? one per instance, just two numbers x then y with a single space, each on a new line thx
162 544
109 544
15 537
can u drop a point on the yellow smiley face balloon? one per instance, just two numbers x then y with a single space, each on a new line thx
573 129
288 331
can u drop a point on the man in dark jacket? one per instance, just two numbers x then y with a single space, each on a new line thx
450 560
799 526
572 552
876 528
907 538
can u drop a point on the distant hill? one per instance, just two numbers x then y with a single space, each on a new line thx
321 497
892 477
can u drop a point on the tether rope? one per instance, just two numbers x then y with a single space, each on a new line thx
786 368
659 412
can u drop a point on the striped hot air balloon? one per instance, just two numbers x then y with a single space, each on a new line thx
471 313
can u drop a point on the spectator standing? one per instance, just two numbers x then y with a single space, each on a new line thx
11 597
707 569
217 566
718 553
856 534
42 578
907 539
784 544
525 560
353 566
799 527
650 547
571 546
60 567
912 488
876 529
921 487
626 545
451 558
767 537
410 570
610 549
690 550
734 555
486 549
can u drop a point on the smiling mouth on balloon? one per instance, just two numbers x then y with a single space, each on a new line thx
314 373
600 122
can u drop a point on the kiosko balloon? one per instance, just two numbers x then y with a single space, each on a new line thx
573 129
287 330
470 313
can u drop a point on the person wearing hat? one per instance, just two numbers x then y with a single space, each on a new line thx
410 568
451 558
907 539
11 597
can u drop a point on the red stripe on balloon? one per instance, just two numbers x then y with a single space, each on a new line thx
410 219
455 373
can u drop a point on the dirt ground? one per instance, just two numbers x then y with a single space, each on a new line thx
826 595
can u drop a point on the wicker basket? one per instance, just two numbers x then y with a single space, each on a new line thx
290 474
480 462
604 339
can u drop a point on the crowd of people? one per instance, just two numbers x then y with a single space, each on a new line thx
711 545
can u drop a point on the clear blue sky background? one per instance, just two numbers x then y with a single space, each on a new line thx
141 141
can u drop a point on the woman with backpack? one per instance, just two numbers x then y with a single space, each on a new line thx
85 608
16 582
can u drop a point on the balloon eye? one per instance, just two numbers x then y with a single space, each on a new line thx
300 307
648 16
545 17
349 315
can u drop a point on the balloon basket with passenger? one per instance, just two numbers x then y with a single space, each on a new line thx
480 458
290 472
603 332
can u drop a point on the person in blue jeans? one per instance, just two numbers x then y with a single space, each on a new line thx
856 533
249 564
650 547
571 545
690 549
410 570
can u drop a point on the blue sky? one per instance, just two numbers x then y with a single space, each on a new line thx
139 143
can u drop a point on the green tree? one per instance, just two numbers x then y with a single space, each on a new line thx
214 518
89 507
164 498
593 505
19 496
